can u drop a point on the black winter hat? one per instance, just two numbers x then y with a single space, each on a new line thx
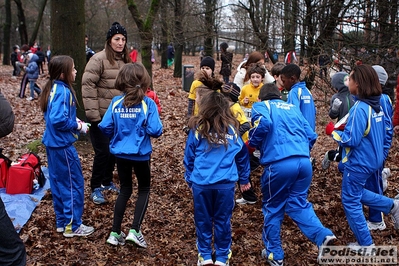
209 62
224 46
116 28
232 91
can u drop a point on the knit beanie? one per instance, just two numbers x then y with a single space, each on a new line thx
116 28
224 46
337 80
382 74
232 91
209 62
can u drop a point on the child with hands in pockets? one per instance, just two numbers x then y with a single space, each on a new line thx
130 121
58 103
220 158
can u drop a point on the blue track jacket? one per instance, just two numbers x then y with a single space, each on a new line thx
216 167
364 139
280 131
130 128
61 126
300 96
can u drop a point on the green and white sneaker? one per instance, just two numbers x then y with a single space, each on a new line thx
137 238
115 239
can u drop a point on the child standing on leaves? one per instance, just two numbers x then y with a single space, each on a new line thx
130 121
58 102
363 136
284 139
214 134
32 71
340 104
299 95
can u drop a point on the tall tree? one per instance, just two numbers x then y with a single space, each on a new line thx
6 34
210 6
42 6
23 33
179 38
69 17
144 24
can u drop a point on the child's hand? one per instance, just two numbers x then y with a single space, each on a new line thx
245 187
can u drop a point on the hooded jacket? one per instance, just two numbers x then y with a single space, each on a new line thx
32 70
7 117
343 94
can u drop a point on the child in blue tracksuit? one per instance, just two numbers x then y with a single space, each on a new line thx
284 139
58 103
375 182
364 136
130 121
299 95
215 158
32 71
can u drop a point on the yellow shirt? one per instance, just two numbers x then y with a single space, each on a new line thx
251 92
192 94
239 114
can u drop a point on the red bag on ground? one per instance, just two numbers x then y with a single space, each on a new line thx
21 175
4 165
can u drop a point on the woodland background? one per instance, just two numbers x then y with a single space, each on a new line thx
169 226
308 26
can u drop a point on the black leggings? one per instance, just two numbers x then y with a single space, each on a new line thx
125 170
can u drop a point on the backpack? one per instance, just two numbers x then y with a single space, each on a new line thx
5 164
25 175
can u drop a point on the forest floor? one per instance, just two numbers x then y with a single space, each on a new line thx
168 226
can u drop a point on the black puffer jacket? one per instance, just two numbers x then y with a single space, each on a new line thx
6 117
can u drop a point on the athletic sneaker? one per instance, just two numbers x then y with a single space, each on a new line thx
395 213
137 238
376 226
244 201
82 230
271 262
60 229
29 99
115 239
328 241
366 250
219 263
97 196
202 262
326 162
111 187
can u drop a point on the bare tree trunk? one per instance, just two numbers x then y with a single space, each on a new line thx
33 37
7 32
164 36
209 25
23 33
69 17
178 11
145 29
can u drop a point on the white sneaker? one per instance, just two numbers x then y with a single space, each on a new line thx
60 229
137 238
204 262
328 241
115 239
29 99
244 201
366 250
376 226
386 172
82 230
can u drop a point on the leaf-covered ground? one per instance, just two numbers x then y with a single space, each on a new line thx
168 226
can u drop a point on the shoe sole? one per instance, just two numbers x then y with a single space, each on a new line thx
80 235
115 244
132 242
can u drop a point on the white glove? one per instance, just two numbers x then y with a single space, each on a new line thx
85 127
336 104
